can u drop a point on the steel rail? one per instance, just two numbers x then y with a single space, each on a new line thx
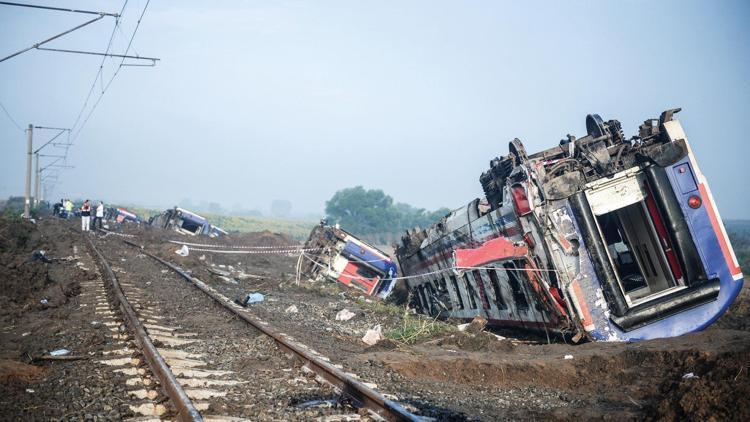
361 395
185 409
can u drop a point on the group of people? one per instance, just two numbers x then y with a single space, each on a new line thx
64 209
86 215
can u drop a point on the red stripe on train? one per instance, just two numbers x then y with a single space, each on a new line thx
733 268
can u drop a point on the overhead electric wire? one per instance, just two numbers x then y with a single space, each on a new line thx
101 67
117 71
51 38
59 9
7 113
93 53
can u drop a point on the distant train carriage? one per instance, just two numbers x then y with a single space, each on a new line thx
185 222
601 237
334 254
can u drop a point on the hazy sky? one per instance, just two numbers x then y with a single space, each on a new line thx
260 100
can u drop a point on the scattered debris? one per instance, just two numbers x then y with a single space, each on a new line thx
250 299
219 272
568 357
227 279
344 315
40 256
59 352
373 335
476 325
244 276
689 375
292 309
317 403
183 251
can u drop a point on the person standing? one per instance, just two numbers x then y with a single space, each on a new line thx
68 208
99 216
85 216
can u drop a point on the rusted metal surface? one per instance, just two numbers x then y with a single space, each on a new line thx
361 395
182 403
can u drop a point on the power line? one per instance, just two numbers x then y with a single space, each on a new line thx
101 68
106 87
59 9
10 117
51 38
94 53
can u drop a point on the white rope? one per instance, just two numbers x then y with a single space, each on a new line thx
208 245
271 252
453 269
107 233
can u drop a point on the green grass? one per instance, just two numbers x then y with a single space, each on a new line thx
379 307
297 229
418 328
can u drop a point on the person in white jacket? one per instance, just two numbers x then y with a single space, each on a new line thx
99 216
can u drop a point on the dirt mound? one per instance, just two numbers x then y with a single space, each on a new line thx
264 238
26 279
738 314
20 274
701 376
18 234
12 372
477 342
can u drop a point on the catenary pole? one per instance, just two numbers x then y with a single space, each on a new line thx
36 184
29 141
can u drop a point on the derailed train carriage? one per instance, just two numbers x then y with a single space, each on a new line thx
601 237
337 255
185 222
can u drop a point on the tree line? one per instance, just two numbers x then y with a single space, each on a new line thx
370 212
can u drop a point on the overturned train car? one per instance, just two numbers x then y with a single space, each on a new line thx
334 254
185 222
601 237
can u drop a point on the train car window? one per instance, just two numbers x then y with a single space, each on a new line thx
515 279
482 288
365 272
435 306
495 281
635 251
470 292
443 297
454 282
191 226
423 299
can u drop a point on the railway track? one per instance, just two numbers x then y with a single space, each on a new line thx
153 339
185 409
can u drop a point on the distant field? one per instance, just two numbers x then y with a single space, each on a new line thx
297 229
739 234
